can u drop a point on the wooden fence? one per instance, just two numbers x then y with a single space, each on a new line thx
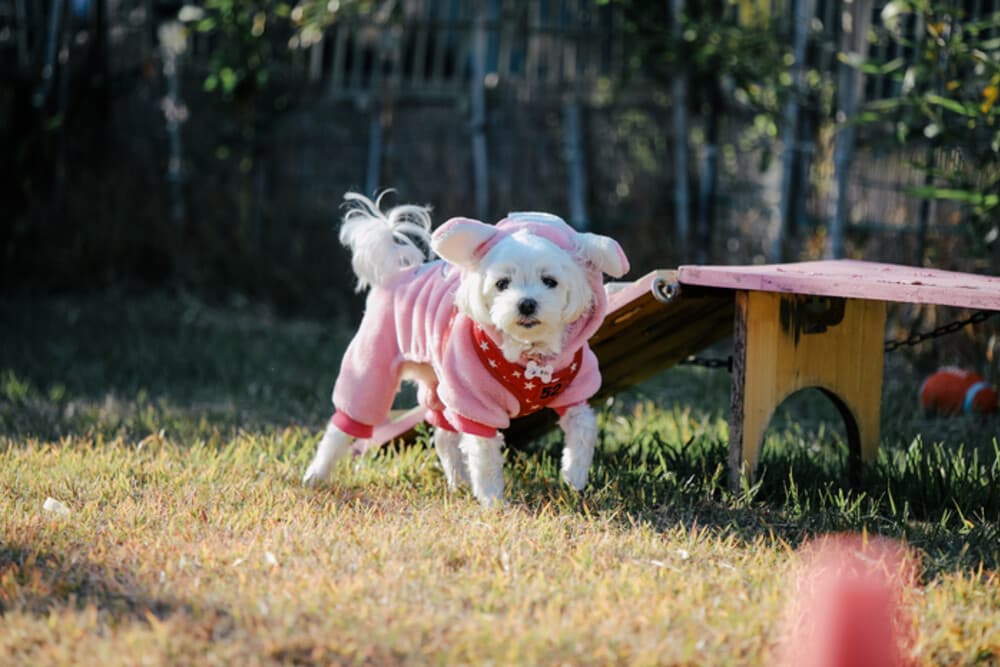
407 53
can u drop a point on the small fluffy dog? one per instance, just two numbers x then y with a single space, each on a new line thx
496 329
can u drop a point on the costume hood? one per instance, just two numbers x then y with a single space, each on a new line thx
464 242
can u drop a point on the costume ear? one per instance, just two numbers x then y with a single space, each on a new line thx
459 240
603 253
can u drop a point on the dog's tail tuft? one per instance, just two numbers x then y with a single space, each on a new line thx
383 243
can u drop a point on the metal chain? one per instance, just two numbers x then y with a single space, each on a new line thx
704 362
919 337
890 345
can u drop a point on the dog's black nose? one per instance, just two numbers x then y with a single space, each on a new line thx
527 306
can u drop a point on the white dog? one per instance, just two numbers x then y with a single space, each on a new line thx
496 330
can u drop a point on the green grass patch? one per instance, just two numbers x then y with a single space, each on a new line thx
174 435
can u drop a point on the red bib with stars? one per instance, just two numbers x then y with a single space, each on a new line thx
534 385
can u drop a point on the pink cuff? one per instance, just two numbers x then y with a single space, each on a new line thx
437 419
351 427
473 428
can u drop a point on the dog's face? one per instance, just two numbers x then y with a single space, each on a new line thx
530 289
524 285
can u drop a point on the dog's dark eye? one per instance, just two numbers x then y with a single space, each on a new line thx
503 284
549 281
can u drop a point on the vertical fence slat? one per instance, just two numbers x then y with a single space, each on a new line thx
21 18
421 34
569 43
354 81
682 208
554 57
505 38
396 53
464 65
442 34
531 64
316 61
337 74
477 93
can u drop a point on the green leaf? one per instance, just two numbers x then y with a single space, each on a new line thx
890 104
952 194
883 68
229 79
951 105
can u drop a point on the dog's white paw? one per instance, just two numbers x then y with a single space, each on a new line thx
492 502
316 475
485 460
488 490
334 446
456 471
575 472
580 426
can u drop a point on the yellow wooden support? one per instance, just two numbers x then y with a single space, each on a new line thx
787 342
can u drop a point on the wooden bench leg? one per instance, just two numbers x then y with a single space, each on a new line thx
784 343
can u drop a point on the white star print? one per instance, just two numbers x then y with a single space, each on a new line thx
573 367
493 364
484 346
516 374
529 385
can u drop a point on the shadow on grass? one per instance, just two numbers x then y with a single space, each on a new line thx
39 582
129 366
943 501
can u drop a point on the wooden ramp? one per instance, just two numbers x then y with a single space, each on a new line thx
651 325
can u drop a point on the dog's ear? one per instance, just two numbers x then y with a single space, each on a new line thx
602 253
460 241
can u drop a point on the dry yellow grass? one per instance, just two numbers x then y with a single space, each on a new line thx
176 554
163 428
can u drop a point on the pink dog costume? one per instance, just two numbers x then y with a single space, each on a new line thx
413 318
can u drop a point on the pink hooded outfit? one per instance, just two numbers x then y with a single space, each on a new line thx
413 318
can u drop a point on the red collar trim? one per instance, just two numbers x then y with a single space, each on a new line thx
534 388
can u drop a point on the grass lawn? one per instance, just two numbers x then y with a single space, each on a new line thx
173 436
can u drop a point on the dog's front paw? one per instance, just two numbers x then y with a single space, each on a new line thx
316 475
334 446
485 462
456 471
575 472
488 490
492 502
580 425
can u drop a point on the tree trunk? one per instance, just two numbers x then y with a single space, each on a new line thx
682 206
709 179
781 249
576 166
480 162
856 19
924 212
373 172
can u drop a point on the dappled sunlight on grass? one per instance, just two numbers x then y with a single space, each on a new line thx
187 537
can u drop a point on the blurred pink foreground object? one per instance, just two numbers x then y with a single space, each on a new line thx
849 605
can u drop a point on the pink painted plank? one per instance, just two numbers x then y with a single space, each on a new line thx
622 294
854 279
